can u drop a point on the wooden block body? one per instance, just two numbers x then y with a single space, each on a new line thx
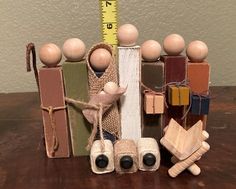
129 75
124 148
192 119
153 104
152 75
178 96
96 151
175 68
198 75
175 71
52 94
76 87
147 150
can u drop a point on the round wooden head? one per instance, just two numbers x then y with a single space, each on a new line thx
150 50
74 49
50 55
110 87
197 51
173 44
127 35
100 59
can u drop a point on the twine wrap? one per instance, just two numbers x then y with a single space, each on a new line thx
111 118
125 147
148 145
94 110
200 96
55 143
30 48
96 150
148 90
178 85
183 83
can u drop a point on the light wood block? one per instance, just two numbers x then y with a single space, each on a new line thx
182 165
129 75
153 104
96 151
194 169
148 154
76 87
182 143
52 96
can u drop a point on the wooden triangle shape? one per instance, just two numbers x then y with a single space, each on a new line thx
182 143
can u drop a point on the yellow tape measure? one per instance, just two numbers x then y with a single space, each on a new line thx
109 21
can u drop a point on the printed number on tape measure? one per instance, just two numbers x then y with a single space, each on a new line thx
109 21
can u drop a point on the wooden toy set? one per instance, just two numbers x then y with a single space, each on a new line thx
98 103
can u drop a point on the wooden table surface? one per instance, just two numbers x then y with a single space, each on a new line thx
23 163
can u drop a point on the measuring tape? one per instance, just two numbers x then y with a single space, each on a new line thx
109 21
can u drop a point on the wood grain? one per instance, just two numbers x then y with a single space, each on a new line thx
129 75
76 87
24 164
52 94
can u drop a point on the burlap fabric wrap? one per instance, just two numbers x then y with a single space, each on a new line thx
148 145
111 118
125 147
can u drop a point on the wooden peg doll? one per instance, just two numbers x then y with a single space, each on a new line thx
75 76
175 71
129 75
198 75
101 58
152 78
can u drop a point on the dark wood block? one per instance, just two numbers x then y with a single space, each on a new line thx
76 86
175 68
198 75
175 71
192 119
175 112
200 105
152 75
52 94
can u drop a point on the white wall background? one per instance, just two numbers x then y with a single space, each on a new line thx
42 21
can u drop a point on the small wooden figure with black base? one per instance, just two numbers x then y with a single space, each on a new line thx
126 156
148 154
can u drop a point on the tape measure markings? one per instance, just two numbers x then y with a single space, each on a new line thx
109 21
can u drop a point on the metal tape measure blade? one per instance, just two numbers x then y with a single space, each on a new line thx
109 21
